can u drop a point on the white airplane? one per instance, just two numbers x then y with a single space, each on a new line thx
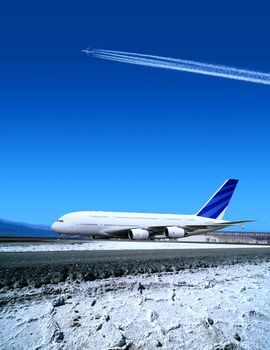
87 51
144 226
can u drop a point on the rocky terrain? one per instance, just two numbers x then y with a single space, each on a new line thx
222 307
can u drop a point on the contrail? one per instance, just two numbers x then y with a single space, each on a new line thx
182 65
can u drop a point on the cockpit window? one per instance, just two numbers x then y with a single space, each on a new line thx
60 220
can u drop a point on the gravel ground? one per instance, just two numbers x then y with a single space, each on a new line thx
40 268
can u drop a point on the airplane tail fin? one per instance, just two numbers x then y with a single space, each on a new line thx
218 203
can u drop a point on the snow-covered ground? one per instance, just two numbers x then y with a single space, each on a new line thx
111 245
213 308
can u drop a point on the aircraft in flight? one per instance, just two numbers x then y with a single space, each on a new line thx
144 226
87 51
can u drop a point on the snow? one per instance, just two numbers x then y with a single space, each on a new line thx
111 245
206 308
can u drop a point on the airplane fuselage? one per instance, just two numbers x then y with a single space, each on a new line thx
108 224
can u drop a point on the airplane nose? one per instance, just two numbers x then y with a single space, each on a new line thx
54 227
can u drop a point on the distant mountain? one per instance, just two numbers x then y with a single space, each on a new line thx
19 229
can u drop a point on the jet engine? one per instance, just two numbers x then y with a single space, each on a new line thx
138 234
174 232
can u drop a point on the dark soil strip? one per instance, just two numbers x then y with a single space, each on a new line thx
36 269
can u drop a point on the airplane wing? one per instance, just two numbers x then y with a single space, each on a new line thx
189 229
217 226
201 228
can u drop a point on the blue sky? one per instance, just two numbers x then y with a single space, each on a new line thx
79 133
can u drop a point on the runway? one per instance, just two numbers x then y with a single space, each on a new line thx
40 268
119 245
